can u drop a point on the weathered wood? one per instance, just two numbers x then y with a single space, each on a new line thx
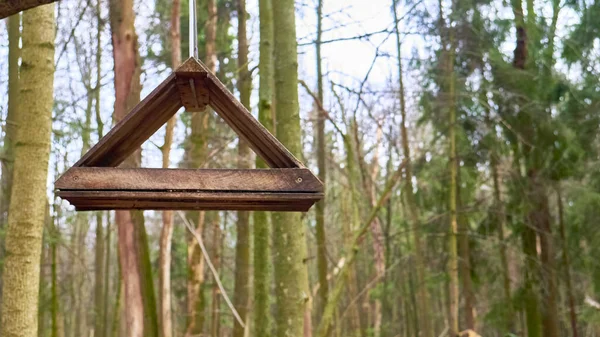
141 123
95 184
107 200
10 7
192 67
144 179
193 92
156 109
247 127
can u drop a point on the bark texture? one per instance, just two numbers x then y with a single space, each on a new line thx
166 234
289 240
242 246
321 160
262 228
198 153
409 197
27 211
127 95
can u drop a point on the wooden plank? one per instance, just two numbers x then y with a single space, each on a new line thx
193 93
107 200
131 132
248 128
183 206
141 179
192 67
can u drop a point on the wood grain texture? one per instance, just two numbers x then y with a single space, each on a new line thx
95 184
193 93
141 123
109 200
162 103
143 179
192 67
10 7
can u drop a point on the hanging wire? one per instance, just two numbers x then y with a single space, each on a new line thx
193 30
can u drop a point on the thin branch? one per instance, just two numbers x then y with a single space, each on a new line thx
212 267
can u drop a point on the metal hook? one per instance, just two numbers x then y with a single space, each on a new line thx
193 30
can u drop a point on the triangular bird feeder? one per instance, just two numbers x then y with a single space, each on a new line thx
96 183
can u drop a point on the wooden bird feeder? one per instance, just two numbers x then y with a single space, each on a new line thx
96 183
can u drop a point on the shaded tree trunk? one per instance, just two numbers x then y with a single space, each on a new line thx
197 154
499 217
423 315
127 94
448 48
10 128
216 292
321 163
262 228
166 234
465 264
27 210
566 261
289 240
99 295
242 246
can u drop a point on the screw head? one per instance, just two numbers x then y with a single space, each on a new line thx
298 180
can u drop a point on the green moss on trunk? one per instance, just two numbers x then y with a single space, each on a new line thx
28 198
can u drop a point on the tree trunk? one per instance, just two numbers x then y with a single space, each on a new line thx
27 210
448 49
350 258
539 218
566 264
262 228
99 295
321 160
289 240
166 234
54 292
242 246
106 291
216 292
422 314
14 35
127 94
498 216
465 264
197 154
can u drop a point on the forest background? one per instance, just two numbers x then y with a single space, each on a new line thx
457 139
